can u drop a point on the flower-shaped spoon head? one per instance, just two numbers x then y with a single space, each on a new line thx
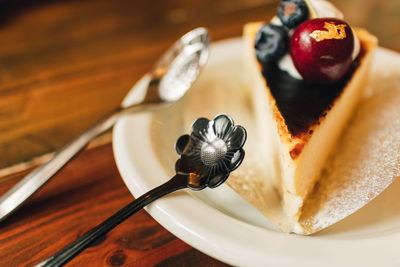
211 151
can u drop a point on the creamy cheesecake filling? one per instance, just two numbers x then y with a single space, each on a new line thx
303 104
298 140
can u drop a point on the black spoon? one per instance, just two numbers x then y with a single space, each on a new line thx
207 156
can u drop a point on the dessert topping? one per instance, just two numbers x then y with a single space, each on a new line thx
292 12
271 43
321 49
273 38
334 32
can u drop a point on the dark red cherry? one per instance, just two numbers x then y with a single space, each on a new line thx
321 49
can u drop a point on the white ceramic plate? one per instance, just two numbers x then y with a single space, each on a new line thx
219 222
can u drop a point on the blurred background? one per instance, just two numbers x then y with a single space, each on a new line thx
64 64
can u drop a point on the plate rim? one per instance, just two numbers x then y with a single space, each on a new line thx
259 245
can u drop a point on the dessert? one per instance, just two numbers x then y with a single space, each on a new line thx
307 69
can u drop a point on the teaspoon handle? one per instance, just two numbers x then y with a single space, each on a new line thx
179 181
18 194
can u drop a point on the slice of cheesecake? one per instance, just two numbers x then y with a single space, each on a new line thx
299 123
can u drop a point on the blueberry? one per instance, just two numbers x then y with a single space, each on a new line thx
271 43
292 12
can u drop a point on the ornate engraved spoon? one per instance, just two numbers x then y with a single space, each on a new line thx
168 81
207 156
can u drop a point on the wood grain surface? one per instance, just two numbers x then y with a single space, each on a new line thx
81 196
64 65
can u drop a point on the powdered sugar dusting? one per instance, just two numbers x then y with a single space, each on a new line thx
367 159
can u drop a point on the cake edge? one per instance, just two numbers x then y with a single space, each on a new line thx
295 191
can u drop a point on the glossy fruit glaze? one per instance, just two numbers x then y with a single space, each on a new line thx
321 49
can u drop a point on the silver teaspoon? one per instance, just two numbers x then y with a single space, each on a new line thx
207 156
166 83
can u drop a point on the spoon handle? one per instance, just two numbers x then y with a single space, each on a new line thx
18 194
179 181
25 188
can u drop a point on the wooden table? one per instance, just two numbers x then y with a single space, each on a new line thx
63 65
